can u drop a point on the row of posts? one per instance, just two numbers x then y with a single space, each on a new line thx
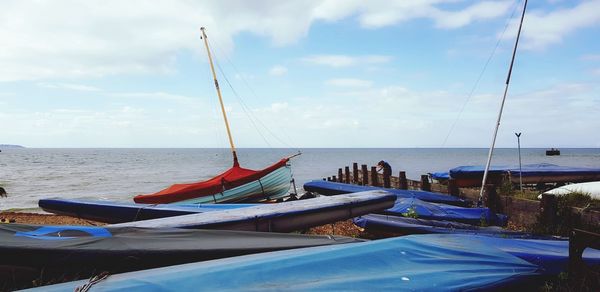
372 178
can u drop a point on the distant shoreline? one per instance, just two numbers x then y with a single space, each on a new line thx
10 146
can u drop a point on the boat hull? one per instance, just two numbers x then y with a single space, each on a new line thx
46 253
279 217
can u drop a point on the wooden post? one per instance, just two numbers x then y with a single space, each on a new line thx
490 197
347 173
355 173
374 181
340 176
548 208
402 182
452 188
365 175
386 180
425 185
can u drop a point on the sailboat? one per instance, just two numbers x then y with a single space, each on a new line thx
236 184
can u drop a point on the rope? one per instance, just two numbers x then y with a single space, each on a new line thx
93 280
464 105
245 107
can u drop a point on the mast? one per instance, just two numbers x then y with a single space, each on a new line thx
489 159
212 69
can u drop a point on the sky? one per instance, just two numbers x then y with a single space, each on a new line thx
298 74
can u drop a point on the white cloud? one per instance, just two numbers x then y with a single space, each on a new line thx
544 28
349 82
68 86
278 70
72 39
478 11
337 61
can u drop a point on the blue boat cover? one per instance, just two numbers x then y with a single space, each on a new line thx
328 188
440 175
280 217
434 211
417 262
404 225
526 170
118 212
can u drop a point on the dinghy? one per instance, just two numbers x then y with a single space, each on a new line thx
234 185
328 188
51 253
389 224
432 262
279 217
118 212
590 188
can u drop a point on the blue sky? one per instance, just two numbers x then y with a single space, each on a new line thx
305 73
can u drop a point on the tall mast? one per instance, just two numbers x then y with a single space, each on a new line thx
212 69
489 159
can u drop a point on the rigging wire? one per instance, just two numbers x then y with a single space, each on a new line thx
248 111
476 85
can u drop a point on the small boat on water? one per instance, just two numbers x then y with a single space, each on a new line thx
552 152
432 262
234 185
328 188
48 254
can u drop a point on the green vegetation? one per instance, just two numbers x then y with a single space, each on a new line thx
411 213
565 218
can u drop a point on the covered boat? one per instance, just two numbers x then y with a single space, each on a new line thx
234 185
279 217
58 253
405 226
471 176
328 188
118 212
433 262
435 211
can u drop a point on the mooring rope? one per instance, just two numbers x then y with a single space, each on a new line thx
93 280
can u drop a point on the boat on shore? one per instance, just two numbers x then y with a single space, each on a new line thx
414 262
279 217
237 184
46 254
471 176
328 188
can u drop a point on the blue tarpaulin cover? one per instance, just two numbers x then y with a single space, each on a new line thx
417 262
328 188
434 211
526 170
119 212
405 225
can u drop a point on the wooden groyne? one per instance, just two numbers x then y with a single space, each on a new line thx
522 212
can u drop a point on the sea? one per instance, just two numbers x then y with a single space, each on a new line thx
30 174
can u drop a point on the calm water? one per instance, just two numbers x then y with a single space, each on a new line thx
118 174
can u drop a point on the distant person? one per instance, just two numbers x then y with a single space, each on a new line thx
387 172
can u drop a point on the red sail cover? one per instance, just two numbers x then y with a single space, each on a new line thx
234 177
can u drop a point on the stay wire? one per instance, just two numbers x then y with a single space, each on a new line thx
476 85
245 108
250 115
